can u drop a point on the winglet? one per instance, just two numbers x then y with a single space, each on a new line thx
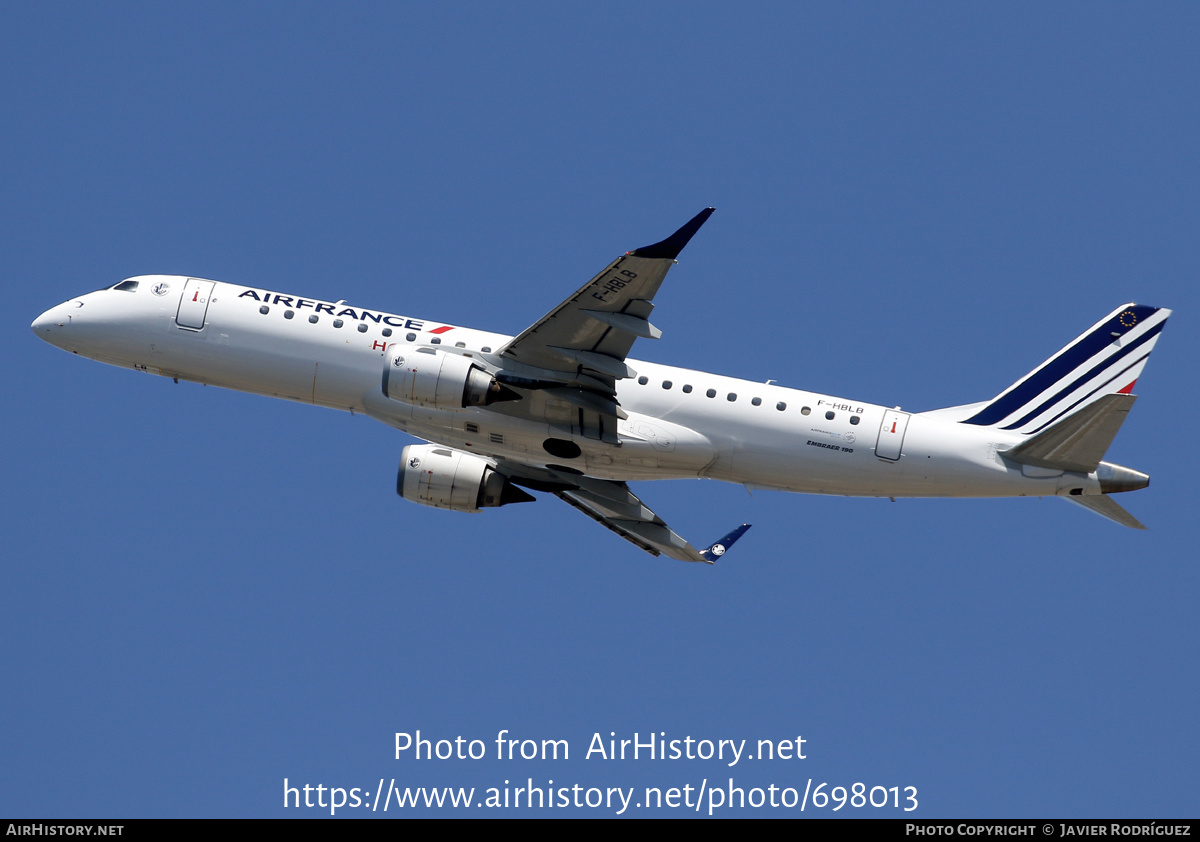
672 245
722 546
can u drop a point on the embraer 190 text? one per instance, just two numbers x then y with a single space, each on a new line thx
561 409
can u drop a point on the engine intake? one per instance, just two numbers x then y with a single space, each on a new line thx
438 476
432 378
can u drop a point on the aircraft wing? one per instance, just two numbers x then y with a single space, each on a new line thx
614 506
619 509
579 347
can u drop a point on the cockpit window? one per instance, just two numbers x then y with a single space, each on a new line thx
126 286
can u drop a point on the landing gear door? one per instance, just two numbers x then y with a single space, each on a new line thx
193 304
891 434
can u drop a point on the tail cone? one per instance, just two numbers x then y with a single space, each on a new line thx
1114 478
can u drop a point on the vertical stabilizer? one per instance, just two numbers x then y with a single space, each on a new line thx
1106 360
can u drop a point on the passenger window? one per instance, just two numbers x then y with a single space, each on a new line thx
854 419
387 331
287 314
264 309
312 320
711 393
337 322
781 406
460 344
362 328
687 389
437 340
643 380
829 415
804 410
756 402
411 337
487 349
666 384
731 397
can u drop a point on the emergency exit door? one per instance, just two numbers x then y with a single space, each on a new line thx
891 434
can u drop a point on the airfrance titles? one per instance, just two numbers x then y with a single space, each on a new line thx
357 314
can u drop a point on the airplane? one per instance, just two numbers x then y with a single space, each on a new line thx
562 409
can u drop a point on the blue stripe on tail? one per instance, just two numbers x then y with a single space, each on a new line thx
1072 357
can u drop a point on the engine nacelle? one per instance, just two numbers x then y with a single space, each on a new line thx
432 378
444 478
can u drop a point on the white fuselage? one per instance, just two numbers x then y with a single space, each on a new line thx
681 423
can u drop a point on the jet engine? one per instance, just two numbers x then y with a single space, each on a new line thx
433 378
438 476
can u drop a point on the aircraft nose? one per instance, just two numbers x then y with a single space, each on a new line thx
50 325
43 323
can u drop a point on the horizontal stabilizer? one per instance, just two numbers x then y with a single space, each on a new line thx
1079 441
1105 506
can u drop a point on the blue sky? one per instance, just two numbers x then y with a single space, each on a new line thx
209 592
